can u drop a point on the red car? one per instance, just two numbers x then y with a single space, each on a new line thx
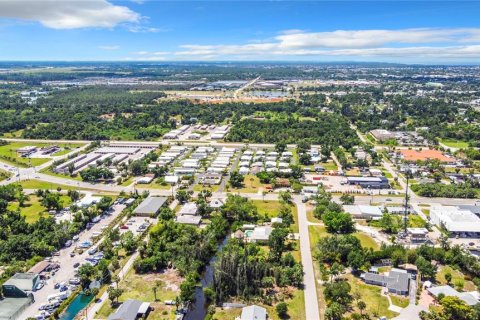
123 227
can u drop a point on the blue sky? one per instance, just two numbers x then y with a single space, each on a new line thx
401 31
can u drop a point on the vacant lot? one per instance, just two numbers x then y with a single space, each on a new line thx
33 209
141 287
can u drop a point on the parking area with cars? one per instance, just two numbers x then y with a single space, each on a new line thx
60 283
137 225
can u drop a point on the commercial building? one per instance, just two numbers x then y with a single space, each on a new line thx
364 211
382 134
150 206
456 221
369 182
17 293
417 234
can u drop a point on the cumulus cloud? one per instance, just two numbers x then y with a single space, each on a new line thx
69 14
407 43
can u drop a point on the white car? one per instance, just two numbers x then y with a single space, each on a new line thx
40 285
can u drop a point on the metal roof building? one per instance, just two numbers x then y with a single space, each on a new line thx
130 310
150 206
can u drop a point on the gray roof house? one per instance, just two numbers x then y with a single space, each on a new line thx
130 310
253 313
397 281
150 206
468 297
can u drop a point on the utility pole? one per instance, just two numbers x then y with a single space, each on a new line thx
405 221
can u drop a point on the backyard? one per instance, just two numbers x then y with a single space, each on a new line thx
33 209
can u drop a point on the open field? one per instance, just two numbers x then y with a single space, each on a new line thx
251 184
454 143
33 209
39 184
4 175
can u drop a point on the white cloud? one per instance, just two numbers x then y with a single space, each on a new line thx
113 47
69 14
459 43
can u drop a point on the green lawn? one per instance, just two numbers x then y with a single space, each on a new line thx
400 301
270 209
330 165
39 184
8 153
251 184
454 143
415 221
366 240
152 185
33 209
370 294
199 187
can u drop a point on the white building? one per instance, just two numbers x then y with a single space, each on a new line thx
457 221
364 212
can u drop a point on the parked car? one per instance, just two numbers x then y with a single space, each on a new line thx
40 285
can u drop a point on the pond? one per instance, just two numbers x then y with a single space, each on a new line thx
77 305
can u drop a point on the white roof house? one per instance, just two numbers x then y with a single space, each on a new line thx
243 170
189 208
253 313
261 233
454 219
171 179
216 203
87 201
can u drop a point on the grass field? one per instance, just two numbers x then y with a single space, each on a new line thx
39 184
251 184
199 187
140 287
50 172
415 221
457 276
270 209
318 232
152 185
454 143
296 309
8 153
33 209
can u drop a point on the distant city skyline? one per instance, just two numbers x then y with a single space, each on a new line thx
424 32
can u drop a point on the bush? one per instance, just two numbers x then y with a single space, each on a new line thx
282 309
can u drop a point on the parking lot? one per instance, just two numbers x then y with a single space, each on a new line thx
136 224
67 262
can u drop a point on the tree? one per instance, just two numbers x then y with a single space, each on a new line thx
361 305
114 294
86 272
389 223
338 222
52 201
285 196
104 204
347 199
182 196
448 277
426 269
282 310
74 195
305 159
280 147
276 242
187 289
236 179
128 242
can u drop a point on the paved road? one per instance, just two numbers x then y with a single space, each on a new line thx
311 300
